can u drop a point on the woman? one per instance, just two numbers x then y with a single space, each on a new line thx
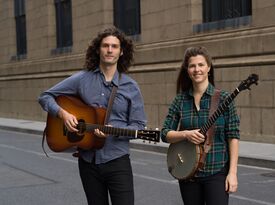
190 110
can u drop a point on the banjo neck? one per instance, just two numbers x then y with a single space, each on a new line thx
218 112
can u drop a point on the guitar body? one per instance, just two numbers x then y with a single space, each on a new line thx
59 139
183 159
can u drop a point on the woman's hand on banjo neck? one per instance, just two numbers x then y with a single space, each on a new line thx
194 136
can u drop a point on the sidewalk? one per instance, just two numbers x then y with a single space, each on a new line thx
251 153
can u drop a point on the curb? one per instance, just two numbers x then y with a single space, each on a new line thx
22 130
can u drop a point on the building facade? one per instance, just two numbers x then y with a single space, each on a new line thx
44 41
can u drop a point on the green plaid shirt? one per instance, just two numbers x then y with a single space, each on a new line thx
183 111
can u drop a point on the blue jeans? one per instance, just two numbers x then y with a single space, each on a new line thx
115 177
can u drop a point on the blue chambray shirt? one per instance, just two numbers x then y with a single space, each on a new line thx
91 86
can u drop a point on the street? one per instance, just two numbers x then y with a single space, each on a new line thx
28 177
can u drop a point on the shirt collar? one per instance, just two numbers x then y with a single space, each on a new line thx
209 91
115 80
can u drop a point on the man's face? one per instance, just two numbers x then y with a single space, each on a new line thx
109 51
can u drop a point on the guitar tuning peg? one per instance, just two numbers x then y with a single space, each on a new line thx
157 128
145 128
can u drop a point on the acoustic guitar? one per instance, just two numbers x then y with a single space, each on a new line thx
183 157
89 118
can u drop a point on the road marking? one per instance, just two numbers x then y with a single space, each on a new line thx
173 182
240 165
262 182
148 152
37 153
255 167
156 179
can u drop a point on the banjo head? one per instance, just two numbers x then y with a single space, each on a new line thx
182 159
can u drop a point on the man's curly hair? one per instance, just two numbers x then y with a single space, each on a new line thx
125 61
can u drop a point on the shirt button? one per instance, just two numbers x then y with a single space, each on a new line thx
102 94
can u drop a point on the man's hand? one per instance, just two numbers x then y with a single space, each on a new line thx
99 134
69 120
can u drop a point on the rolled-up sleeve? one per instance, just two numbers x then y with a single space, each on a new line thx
65 87
137 116
233 122
172 119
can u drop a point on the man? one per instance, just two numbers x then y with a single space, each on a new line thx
106 170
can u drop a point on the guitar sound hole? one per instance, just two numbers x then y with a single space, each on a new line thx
75 136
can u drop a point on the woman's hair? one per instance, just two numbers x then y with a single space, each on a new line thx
184 82
125 61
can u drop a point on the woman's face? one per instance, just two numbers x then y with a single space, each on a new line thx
198 69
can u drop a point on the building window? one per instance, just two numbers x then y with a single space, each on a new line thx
63 11
127 16
220 14
20 22
216 10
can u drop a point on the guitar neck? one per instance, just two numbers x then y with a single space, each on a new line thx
112 130
219 111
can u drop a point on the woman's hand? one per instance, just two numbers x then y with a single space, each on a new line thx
231 183
194 136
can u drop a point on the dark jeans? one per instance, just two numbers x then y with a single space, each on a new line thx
115 177
206 190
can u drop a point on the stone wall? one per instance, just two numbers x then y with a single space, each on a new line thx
166 31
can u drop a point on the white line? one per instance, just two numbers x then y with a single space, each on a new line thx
174 182
255 167
240 165
139 163
74 161
156 179
37 153
148 152
251 200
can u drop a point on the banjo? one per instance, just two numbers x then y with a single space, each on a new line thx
183 157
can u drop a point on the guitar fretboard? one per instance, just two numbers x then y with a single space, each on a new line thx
219 111
109 130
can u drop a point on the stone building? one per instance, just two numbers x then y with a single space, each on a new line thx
44 41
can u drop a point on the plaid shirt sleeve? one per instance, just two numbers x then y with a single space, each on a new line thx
172 119
232 122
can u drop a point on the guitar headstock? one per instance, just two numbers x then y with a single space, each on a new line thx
150 135
245 84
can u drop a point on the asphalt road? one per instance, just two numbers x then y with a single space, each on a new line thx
28 177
